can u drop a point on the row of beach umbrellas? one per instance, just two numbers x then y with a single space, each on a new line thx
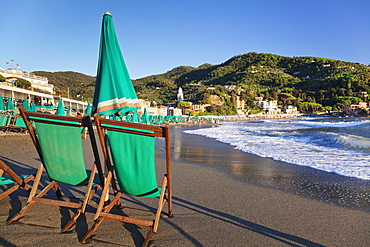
9 106
60 110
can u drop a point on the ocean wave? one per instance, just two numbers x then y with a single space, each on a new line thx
298 150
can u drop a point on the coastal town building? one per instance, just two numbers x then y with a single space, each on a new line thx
164 111
159 110
41 92
356 109
37 82
290 109
237 102
268 107
199 107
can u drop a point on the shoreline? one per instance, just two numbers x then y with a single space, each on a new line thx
211 207
299 180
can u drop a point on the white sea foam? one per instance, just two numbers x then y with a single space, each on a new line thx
276 140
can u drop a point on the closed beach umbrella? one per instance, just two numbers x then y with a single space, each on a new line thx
60 108
146 119
2 107
10 106
135 117
114 92
88 109
26 105
33 107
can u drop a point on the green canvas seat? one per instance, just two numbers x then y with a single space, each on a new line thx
9 177
129 154
58 142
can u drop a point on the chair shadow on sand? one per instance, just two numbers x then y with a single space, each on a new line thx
288 239
285 238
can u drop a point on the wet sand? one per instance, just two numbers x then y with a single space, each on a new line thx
222 197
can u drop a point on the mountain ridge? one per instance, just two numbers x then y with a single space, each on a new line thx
315 80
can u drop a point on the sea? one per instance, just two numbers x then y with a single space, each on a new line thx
337 145
325 159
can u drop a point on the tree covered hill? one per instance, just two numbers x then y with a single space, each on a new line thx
320 81
302 81
78 83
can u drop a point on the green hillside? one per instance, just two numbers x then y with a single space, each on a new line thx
311 83
308 82
78 84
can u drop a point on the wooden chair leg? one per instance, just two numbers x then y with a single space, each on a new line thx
148 237
92 229
160 205
88 195
72 221
100 219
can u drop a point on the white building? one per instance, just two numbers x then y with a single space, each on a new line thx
46 98
289 109
268 107
39 82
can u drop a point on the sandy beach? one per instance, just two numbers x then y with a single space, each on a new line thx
222 197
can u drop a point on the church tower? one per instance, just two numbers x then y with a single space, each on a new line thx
180 95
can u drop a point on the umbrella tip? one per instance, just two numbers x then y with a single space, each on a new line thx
107 13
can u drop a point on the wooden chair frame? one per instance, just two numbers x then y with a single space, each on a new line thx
18 182
39 197
103 212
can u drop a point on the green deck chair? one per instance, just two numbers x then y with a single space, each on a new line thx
132 163
4 122
17 124
58 142
9 177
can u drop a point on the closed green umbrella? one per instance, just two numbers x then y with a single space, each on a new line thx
33 107
146 119
135 118
10 106
88 109
114 92
26 105
2 107
60 108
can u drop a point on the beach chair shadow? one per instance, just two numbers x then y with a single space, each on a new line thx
58 142
129 155
8 176
285 238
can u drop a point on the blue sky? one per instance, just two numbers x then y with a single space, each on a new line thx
158 35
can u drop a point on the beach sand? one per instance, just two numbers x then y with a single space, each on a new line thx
228 199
